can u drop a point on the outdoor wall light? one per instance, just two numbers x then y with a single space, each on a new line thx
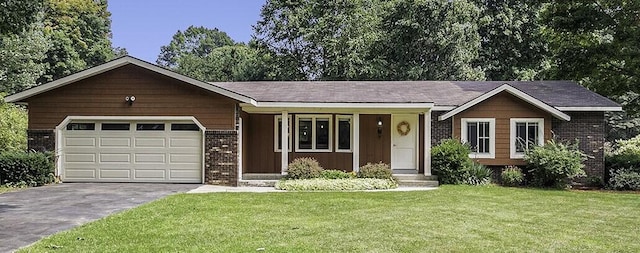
379 127
130 99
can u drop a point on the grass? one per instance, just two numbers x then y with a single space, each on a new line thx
4 189
450 219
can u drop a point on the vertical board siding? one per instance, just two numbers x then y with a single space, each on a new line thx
373 148
264 159
156 95
503 107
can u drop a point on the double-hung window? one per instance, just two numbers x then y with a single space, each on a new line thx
525 133
344 130
278 132
479 133
313 133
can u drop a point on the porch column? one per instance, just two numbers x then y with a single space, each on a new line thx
284 138
356 142
427 143
240 149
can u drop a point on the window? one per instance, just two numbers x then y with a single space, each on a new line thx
524 134
184 127
150 127
115 126
314 133
343 133
480 135
278 131
81 126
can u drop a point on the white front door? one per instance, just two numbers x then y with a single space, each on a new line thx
404 141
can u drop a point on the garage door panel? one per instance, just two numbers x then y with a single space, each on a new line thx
150 142
151 174
115 142
150 158
80 158
115 158
114 173
80 141
80 173
121 155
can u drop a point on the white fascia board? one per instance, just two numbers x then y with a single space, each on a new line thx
590 109
118 63
344 105
513 91
443 107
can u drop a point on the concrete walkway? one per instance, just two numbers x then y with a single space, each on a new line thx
216 188
29 215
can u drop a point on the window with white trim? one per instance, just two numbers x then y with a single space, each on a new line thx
278 130
344 132
525 133
313 133
480 134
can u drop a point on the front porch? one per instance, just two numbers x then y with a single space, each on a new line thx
339 139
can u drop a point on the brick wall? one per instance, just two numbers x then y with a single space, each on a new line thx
440 130
41 140
588 129
221 157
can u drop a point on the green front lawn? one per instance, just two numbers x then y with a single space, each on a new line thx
452 218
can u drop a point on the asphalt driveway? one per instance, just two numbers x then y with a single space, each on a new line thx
29 215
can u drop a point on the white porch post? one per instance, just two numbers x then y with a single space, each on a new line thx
356 142
240 149
427 143
284 138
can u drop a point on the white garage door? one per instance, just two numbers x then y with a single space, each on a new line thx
132 152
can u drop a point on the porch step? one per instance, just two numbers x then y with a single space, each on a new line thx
261 176
401 177
418 183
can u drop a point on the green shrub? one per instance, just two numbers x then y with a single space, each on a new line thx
626 155
304 168
335 174
450 161
13 127
554 164
26 168
348 184
478 174
375 170
624 179
512 176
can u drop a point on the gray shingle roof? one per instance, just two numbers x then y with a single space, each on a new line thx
442 93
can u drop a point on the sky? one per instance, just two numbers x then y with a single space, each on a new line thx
142 27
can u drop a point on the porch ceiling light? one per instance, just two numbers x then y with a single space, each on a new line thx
379 127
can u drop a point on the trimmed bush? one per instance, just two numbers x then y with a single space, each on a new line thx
349 184
624 179
26 168
625 156
304 168
375 170
554 164
336 174
512 176
478 174
450 161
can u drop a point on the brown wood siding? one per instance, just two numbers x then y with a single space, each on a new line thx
373 148
503 107
156 95
264 159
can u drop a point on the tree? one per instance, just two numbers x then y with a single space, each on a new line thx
596 43
320 40
226 63
511 41
80 31
431 40
196 42
22 59
13 126
17 15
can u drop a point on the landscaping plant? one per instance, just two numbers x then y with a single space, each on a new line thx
512 176
304 168
26 169
450 161
554 164
375 170
478 174
335 174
